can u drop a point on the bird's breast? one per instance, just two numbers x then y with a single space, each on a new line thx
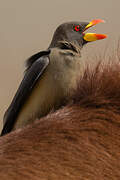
55 84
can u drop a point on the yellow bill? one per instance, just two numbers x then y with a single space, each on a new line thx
93 36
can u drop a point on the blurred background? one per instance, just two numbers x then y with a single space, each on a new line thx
27 26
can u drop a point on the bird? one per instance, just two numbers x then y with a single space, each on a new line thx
50 76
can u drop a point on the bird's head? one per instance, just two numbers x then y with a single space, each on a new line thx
75 32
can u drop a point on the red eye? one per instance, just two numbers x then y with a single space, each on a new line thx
77 28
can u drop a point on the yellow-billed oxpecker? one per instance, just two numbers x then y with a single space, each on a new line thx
50 76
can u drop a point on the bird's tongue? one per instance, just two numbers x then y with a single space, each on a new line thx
93 36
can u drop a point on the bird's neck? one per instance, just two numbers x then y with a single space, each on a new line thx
66 45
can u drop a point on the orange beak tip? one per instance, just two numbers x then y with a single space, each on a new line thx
100 36
96 21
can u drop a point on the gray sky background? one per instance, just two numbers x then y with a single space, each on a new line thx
27 26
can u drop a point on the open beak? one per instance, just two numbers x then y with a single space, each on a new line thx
93 36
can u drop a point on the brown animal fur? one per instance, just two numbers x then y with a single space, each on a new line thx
78 142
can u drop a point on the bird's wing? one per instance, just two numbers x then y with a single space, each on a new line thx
35 57
33 73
